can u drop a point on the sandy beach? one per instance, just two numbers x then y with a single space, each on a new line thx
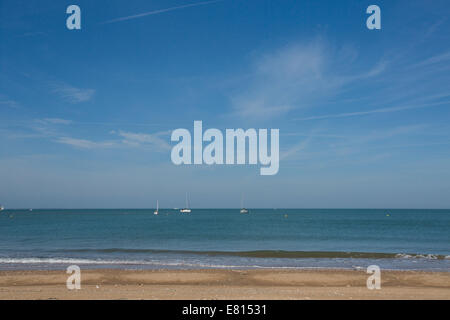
224 284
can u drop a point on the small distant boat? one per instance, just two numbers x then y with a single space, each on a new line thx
2 208
186 209
243 210
157 208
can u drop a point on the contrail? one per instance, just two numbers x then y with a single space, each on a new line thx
149 13
362 113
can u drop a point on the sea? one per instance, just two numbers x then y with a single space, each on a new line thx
223 238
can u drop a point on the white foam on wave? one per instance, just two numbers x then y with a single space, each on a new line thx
65 261
113 262
419 256
68 261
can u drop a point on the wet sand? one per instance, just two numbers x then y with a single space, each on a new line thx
224 284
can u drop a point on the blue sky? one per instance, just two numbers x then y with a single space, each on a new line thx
87 114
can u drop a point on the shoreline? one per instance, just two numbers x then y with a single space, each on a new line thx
223 284
138 268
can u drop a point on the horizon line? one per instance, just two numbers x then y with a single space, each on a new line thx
232 208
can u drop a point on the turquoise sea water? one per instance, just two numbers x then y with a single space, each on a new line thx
224 238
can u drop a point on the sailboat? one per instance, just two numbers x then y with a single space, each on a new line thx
186 209
157 208
2 208
243 210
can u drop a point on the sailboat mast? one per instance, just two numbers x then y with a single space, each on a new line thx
187 201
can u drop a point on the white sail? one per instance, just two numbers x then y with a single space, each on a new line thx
243 210
186 208
157 208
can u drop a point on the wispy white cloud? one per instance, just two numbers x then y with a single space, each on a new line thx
433 60
296 148
378 139
85 144
353 147
149 13
32 34
295 76
373 111
70 93
52 129
54 121
387 133
279 81
7 102
138 139
127 139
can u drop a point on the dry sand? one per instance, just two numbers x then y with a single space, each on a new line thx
224 284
